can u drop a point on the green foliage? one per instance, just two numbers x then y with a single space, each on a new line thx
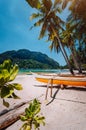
52 25
78 18
29 60
62 34
8 73
32 117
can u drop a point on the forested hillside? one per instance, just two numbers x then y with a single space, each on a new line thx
29 59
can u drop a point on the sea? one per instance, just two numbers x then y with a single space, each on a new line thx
28 71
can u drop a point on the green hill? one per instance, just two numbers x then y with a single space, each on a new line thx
29 59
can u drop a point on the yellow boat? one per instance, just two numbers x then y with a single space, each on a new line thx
63 80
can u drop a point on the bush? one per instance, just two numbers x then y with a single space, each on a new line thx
8 73
31 117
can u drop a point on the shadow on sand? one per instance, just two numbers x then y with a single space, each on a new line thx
66 88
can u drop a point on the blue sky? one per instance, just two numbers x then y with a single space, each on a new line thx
15 30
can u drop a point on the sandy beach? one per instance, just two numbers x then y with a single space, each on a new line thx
67 111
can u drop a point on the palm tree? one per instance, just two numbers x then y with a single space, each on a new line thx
68 37
50 21
77 18
57 45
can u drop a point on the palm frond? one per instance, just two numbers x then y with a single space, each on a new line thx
64 4
34 3
51 46
54 46
43 30
57 2
35 15
38 23
59 24
47 4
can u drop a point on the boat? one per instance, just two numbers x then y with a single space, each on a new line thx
62 80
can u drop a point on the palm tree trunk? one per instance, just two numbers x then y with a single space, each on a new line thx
75 58
62 49
65 55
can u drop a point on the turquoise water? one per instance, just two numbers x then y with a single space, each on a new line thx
43 70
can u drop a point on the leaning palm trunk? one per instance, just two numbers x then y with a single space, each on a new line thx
75 59
62 49
65 55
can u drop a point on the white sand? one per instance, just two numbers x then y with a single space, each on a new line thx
66 112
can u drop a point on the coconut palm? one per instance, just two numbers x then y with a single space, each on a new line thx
69 38
51 23
77 18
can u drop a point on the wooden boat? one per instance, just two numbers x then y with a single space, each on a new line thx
62 80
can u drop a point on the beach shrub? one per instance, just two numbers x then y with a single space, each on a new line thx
8 72
32 117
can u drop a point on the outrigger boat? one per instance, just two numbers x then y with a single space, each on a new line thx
62 79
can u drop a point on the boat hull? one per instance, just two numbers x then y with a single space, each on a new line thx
63 81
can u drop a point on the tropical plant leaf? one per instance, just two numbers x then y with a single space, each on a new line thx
1 81
13 72
36 125
23 118
15 96
40 119
31 116
17 86
4 76
27 113
8 73
25 127
6 104
6 91
7 64
4 72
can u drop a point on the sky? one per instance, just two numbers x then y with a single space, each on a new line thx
15 30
